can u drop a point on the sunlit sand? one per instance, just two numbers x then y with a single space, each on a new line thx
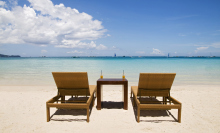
23 109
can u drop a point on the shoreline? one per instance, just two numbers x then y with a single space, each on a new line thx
129 86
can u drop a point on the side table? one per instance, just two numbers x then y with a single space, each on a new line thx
112 81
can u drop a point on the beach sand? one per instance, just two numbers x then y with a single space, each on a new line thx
23 109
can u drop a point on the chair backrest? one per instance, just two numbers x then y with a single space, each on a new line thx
155 84
72 83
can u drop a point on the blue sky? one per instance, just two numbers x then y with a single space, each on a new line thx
104 27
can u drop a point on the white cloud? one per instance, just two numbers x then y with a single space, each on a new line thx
114 48
216 45
76 44
201 48
43 45
140 52
157 52
13 2
101 47
75 52
44 23
43 51
2 3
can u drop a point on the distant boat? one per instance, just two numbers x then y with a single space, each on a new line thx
115 55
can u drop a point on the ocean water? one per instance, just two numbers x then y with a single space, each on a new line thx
37 71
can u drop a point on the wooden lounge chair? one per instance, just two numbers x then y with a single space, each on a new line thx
69 84
155 85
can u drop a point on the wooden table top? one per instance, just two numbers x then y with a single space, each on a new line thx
112 79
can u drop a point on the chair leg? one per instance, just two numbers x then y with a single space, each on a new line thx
179 115
62 99
87 114
163 100
48 114
93 103
138 114
133 102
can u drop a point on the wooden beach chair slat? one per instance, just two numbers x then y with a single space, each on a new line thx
71 80
158 85
69 84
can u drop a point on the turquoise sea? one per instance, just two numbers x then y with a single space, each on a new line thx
37 71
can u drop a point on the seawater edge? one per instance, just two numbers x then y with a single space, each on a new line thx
37 71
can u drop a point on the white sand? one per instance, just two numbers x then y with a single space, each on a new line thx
23 109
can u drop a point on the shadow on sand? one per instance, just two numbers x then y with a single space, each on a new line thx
112 105
73 112
152 113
